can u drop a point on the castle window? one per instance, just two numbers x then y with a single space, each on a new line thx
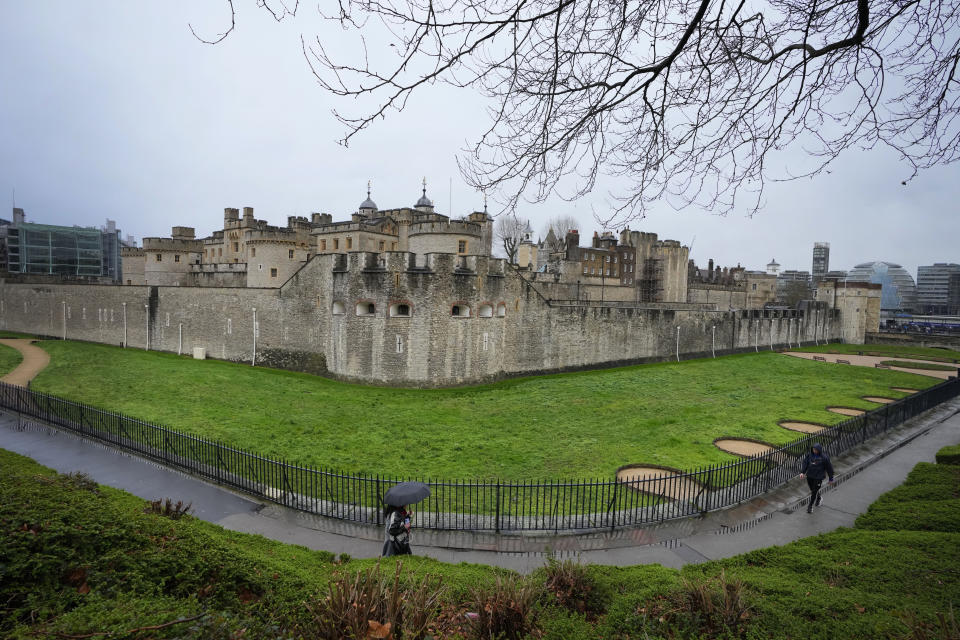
608 258
273 272
501 310
614 259
382 245
229 326
485 311
176 257
159 257
754 287
399 344
349 243
290 254
400 310
236 246
584 271
220 252
365 308
129 281
486 341
393 246
336 244
460 311
338 309
253 252
461 246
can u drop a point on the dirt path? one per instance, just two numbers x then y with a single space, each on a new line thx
802 427
869 361
35 360
643 479
739 447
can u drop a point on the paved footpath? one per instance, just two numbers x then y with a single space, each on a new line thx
872 361
775 519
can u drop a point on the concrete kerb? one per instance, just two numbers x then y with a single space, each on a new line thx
486 546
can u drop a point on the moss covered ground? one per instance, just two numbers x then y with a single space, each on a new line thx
575 425
82 560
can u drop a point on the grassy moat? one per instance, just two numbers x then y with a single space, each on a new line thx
576 425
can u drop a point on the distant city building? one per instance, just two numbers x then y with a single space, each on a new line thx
933 289
63 252
773 266
821 260
786 289
899 292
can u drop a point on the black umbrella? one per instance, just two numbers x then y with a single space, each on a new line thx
405 493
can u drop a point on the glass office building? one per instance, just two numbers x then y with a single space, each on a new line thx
899 291
68 252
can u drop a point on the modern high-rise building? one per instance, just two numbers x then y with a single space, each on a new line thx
63 252
933 288
821 260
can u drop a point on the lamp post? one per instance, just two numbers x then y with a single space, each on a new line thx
124 325
64 303
253 361
678 343
713 340
146 314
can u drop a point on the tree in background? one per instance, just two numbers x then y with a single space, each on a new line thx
555 231
509 232
692 101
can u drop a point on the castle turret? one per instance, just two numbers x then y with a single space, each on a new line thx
424 204
368 207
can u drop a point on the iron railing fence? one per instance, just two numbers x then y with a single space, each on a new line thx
494 505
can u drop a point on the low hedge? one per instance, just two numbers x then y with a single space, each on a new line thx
949 455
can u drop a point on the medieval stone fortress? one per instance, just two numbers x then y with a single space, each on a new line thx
410 296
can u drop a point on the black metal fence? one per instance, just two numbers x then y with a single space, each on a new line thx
470 505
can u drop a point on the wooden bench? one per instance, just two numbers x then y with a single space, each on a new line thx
881 366
839 361
820 358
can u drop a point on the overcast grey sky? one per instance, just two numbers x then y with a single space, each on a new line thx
114 110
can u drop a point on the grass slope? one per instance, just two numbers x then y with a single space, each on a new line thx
9 359
896 350
77 558
569 425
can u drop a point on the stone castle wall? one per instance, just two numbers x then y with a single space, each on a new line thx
319 321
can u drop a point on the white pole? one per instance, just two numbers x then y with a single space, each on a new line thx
678 344
816 321
180 338
713 341
253 362
64 320
756 337
146 313
771 334
124 325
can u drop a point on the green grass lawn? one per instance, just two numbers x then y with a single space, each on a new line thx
9 359
895 350
578 425
82 560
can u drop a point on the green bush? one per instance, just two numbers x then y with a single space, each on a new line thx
949 455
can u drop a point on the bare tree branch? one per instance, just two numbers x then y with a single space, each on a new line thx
692 102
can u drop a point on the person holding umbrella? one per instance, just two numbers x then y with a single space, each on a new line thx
398 519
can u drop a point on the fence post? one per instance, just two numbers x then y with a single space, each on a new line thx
496 526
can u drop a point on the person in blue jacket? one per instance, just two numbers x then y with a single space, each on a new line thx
816 466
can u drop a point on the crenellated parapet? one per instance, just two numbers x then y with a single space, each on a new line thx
172 244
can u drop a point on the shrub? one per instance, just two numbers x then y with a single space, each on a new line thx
167 508
506 609
702 606
945 628
949 455
573 587
367 605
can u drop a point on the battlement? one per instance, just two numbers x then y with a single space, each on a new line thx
405 261
458 227
219 267
172 244
271 234
129 252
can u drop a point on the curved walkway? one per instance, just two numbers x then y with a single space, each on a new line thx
34 361
870 361
774 519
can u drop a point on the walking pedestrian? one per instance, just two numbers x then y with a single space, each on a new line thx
397 530
816 467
